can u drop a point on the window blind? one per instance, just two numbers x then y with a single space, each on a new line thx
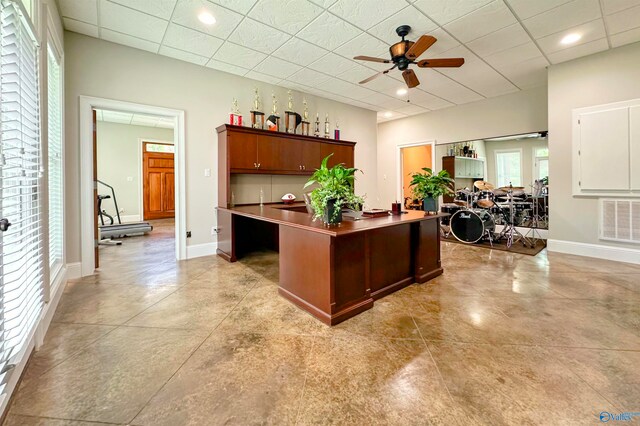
55 171
21 259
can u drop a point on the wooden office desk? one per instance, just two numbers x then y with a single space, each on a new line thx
336 272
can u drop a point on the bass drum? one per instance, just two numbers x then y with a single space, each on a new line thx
470 226
451 209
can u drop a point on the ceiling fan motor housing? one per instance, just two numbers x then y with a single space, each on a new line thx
398 51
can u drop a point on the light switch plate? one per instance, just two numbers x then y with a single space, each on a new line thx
207 172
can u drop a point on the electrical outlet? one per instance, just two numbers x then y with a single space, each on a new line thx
188 234
213 230
129 178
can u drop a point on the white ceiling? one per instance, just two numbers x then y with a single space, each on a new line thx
308 45
134 119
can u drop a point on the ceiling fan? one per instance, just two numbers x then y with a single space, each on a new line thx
405 53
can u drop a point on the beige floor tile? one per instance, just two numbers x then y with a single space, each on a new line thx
15 420
110 380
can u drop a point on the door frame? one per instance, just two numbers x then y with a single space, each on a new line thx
87 104
141 142
432 142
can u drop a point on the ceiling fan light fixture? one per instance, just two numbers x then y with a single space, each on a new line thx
401 91
570 38
206 17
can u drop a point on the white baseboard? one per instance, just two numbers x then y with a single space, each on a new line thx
620 254
200 250
130 218
74 270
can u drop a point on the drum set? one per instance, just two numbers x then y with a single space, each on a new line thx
475 214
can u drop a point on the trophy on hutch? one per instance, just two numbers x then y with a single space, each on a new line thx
257 116
235 118
289 115
305 118
273 122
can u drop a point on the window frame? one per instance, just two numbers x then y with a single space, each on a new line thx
519 151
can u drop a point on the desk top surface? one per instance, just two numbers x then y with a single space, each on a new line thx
280 214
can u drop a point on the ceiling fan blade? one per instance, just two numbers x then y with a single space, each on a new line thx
445 62
410 78
371 59
366 80
419 47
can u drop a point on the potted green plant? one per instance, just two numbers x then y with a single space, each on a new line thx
334 191
427 186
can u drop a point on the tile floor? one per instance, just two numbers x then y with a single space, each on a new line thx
499 338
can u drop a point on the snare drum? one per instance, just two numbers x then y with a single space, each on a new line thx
451 209
463 197
485 199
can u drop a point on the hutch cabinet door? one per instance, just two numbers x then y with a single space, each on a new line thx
278 154
341 154
311 156
243 151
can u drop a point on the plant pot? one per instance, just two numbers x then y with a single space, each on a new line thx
430 204
330 217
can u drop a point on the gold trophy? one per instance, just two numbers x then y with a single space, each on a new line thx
326 126
289 115
316 131
257 116
273 122
305 118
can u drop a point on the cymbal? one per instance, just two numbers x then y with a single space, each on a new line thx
510 188
483 186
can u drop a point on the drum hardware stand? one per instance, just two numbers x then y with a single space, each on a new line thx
510 230
535 224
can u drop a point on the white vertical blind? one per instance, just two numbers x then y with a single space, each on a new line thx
21 259
55 171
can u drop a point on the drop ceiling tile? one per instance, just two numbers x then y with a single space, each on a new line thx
364 44
127 21
382 116
481 78
590 31
527 74
623 21
182 55
324 3
80 10
445 42
80 27
340 87
356 91
289 16
332 64
258 36
513 35
514 55
186 14
240 6
578 51
613 6
562 17
300 52
492 17
309 78
427 100
528 8
277 67
626 37
377 99
419 23
365 14
445 88
158 8
190 40
223 66
127 40
356 74
444 11
384 84
412 110
262 77
295 86
328 31
393 103
235 54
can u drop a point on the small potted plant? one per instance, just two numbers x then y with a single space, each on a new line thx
428 187
334 191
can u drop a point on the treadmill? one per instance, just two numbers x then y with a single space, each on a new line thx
118 230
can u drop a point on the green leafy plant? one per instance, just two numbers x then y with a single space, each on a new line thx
545 180
335 186
429 185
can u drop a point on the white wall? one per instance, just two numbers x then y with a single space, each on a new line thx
119 158
515 113
527 146
102 69
602 78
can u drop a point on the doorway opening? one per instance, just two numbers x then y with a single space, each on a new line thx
135 175
108 162
412 158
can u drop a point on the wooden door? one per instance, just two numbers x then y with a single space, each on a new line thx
158 183
243 151
96 234
341 154
279 154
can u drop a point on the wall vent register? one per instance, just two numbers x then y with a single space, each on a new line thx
620 220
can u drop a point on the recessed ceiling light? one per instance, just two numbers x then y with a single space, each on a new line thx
571 38
388 114
206 17
402 91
